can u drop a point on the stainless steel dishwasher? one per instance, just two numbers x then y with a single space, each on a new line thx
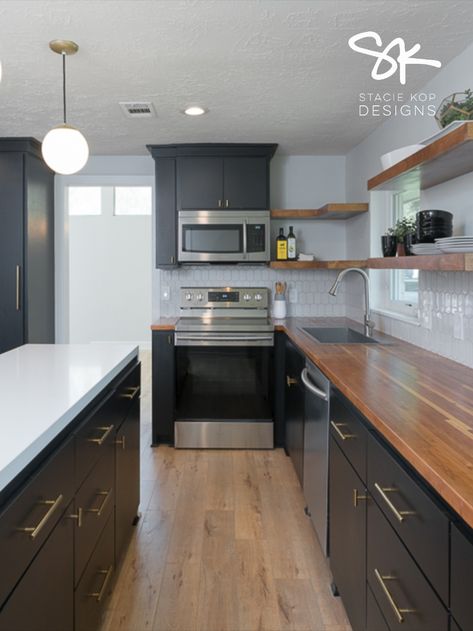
316 437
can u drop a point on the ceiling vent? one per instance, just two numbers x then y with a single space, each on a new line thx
137 109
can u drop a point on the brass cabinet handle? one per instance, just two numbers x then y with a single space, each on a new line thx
399 514
100 594
34 531
227 203
98 511
121 441
336 427
132 394
397 610
357 498
290 381
173 259
220 205
106 431
18 293
77 516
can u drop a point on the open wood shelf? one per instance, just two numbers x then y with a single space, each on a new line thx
435 262
316 264
444 159
329 211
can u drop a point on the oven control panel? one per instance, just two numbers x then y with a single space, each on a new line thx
224 298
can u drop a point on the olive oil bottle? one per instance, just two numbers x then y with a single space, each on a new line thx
291 245
281 246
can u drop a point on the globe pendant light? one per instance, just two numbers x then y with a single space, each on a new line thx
64 148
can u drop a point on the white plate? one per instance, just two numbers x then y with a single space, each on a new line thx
445 240
458 250
450 127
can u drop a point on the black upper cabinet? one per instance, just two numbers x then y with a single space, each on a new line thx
200 183
246 183
26 245
166 216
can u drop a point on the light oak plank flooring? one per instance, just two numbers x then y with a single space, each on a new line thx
222 545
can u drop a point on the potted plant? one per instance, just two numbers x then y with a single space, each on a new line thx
457 106
404 230
389 243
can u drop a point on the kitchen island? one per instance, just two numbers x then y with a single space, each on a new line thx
69 479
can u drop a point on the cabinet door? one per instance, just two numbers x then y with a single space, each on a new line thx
199 183
166 213
43 599
127 466
294 408
245 183
374 618
163 386
461 577
11 249
347 535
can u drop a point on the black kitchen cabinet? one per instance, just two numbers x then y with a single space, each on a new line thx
374 618
26 245
43 599
461 569
127 476
164 387
347 535
294 408
206 177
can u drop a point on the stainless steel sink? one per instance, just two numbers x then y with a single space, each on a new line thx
339 335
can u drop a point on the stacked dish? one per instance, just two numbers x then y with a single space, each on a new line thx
455 244
425 249
433 224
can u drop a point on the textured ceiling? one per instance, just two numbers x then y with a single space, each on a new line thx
270 70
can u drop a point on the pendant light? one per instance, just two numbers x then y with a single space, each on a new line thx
64 148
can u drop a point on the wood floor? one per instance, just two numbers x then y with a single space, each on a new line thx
223 545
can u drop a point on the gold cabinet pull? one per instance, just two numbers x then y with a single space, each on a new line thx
34 531
106 431
227 203
336 427
397 610
100 594
357 498
18 284
399 514
290 381
220 205
98 511
121 441
131 394
77 516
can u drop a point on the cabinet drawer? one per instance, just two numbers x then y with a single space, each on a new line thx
95 436
374 618
419 521
349 432
127 391
399 587
43 599
461 603
29 518
93 504
96 583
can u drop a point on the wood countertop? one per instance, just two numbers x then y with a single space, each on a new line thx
164 324
421 403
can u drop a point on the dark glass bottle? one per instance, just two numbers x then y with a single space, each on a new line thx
291 245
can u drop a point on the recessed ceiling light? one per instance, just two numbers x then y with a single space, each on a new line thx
195 110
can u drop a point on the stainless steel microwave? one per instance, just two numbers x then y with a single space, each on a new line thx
224 236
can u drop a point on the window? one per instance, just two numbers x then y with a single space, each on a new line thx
84 200
132 200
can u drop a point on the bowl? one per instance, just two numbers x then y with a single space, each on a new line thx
395 156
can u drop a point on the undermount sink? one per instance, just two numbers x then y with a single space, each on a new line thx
339 335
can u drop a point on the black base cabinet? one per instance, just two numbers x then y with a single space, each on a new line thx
374 618
294 408
164 387
82 502
461 568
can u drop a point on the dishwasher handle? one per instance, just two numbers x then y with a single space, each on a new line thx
310 386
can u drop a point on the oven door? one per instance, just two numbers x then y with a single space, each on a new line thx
223 237
224 394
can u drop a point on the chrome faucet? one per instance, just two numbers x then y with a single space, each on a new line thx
368 323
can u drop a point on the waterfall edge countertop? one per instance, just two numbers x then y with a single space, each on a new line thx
420 402
43 387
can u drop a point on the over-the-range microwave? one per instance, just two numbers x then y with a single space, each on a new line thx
224 236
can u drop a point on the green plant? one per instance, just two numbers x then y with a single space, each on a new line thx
457 106
390 232
404 226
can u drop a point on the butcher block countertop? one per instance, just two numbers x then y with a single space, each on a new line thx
421 403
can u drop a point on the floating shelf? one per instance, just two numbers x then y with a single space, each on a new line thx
444 159
316 264
329 211
435 262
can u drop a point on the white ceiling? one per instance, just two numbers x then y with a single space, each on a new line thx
269 71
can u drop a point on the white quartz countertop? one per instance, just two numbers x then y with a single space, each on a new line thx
43 387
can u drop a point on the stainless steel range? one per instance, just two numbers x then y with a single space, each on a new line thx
224 347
